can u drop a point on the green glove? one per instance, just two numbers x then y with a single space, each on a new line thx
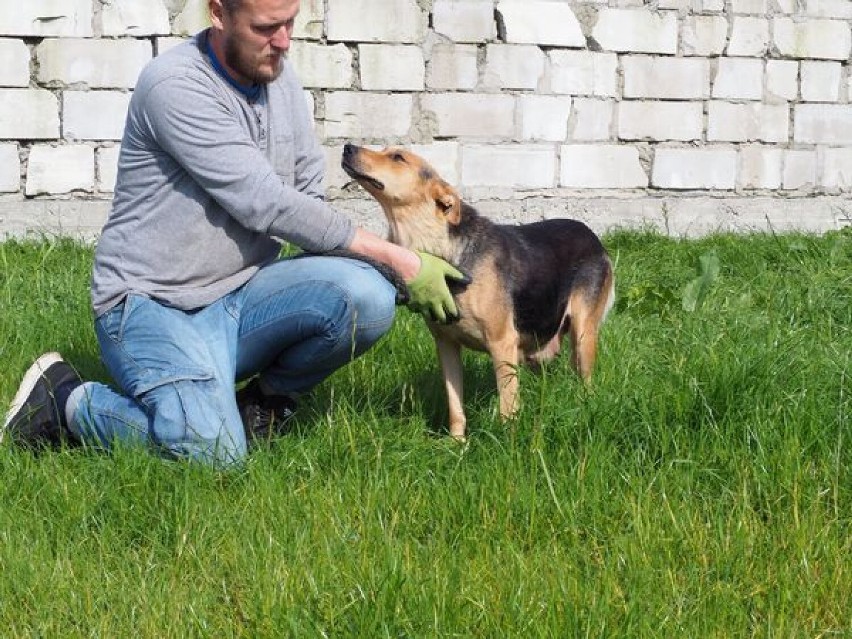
428 291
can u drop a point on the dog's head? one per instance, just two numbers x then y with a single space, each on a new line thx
402 182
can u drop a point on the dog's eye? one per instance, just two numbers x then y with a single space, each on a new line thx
398 157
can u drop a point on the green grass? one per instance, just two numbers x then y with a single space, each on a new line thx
702 488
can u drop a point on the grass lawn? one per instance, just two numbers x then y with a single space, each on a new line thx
702 488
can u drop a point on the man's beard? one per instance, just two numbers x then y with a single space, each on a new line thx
249 68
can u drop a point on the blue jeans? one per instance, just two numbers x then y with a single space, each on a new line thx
295 322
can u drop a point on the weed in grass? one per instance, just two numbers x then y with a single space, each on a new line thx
701 487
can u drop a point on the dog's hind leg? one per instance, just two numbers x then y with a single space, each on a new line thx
504 353
588 310
449 354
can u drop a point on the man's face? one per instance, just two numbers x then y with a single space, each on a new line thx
255 37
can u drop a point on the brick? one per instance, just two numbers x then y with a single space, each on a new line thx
782 79
28 114
820 81
46 18
704 35
370 21
799 170
729 122
471 115
707 168
666 78
829 9
713 5
444 157
100 64
516 167
583 73
787 6
591 120
53 170
107 168
135 18
322 66
94 115
14 63
749 6
823 124
544 117
513 66
749 37
739 78
464 21
389 67
193 17
636 31
837 169
310 23
818 39
541 23
604 166
10 169
453 67
660 121
760 167
366 115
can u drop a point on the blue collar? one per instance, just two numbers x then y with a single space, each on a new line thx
251 92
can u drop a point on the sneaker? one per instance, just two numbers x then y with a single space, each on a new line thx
264 416
36 416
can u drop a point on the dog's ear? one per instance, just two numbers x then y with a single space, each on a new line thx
447 200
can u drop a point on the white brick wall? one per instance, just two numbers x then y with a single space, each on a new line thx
720 98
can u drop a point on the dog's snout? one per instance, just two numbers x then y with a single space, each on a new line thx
349 150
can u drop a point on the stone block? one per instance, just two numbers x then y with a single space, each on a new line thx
94 115
591 120
134 18
749 6
739 79
542 23
99 64
517 166
749 37
683 169
782 80
823 124
46 18
310 23
583 73
107 168
637 31
28 114
666 78
54 170
660 121
322 66
464 21
452 67
391 67
14 63
760 167
601 166
473 115
748 122
828 9
366 116
544 117
10 168
817 39
837 169
820 81
192 18
704 35
371 21
513 66
799 170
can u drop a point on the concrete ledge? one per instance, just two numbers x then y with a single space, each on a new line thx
678 217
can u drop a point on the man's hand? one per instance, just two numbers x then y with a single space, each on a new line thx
428 291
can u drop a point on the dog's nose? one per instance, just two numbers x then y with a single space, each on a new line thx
349 150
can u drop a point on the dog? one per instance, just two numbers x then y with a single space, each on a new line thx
530 284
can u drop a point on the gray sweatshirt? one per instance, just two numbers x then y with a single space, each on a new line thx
208 184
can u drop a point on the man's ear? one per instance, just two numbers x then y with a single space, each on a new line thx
447 201
216 11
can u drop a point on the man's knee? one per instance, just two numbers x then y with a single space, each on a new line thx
373 298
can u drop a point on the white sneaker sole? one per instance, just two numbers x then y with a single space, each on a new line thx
31 377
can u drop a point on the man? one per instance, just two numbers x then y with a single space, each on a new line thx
218 164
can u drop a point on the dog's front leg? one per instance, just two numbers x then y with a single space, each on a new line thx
449 354
504 356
